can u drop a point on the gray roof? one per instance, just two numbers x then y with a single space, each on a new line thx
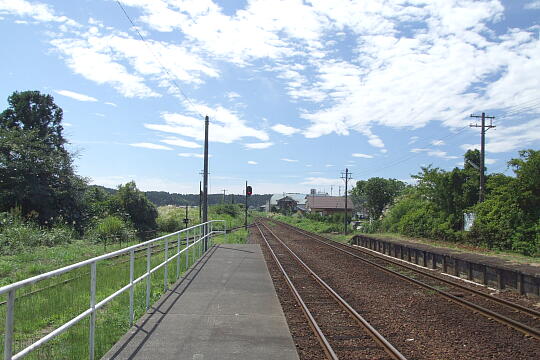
328 202
299 198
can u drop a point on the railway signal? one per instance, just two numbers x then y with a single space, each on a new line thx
249 191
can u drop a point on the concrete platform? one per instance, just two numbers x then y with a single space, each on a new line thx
225 307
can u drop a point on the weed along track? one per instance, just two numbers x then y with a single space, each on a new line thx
412 316
521 318
341 331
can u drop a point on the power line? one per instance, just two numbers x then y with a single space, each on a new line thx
407 158
158 61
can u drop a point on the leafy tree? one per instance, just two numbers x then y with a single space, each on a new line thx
36 171
137 207
375 194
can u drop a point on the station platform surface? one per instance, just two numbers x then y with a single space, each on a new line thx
225 307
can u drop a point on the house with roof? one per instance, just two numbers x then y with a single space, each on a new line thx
327 205
294 201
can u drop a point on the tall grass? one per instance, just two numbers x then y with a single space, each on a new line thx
67 295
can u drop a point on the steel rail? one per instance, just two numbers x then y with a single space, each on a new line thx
311 320
527 330
388 347
504 302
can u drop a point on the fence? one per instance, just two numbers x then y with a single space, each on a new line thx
486 274
190 244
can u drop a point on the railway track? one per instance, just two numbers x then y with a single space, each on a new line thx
341 331
518 317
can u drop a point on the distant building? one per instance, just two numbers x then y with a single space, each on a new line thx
287 205
327 205
299 199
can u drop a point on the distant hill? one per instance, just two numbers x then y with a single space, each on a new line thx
161 198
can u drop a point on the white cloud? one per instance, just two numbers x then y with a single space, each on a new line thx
466 147
99 66
231 95
181 143
226 126
289 160
111 104
75 95
262 145
511 138
532 5
192 155
35 10
441 154
413 139
151 146
251 162
329 165
100 114
365 156
437 142
284 129
490 161
321 181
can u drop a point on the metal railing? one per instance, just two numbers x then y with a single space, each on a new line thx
200 236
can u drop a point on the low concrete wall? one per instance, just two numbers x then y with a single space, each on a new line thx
487 274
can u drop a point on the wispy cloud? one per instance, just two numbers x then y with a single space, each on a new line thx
251 162
231 95
284 129
151 146
192 155
321 181
226 125
181 143
437 142
289 160
75 95
110 104
365 156
262 145
413 139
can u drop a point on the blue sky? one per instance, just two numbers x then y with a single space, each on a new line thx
296 90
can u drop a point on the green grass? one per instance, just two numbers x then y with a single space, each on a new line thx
322 227
67 295
39 313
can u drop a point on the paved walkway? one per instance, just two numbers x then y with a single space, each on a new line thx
225 308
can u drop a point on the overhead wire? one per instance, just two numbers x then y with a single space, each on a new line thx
409 157
171 78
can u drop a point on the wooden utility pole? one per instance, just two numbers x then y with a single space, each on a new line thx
200 201
346 176
245 192
483 130
205 180
224 190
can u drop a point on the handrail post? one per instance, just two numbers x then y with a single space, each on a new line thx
178 258
131 289
148 276
187 250
8 336
93 307
166 271
225 227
